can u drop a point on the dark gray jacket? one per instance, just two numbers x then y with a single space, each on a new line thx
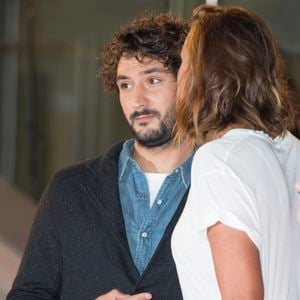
78 248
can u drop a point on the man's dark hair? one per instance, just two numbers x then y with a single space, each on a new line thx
155 36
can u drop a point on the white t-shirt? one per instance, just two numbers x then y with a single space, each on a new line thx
155 181
245 180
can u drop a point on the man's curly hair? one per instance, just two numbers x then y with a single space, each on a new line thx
152 36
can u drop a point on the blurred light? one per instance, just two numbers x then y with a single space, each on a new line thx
213 2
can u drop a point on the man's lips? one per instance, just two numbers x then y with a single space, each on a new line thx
144 118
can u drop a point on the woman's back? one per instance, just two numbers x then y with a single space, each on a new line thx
246 181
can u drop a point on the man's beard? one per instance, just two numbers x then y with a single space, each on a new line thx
161 136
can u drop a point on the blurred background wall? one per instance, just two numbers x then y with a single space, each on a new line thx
52 107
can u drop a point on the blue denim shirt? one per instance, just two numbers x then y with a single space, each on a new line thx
145 226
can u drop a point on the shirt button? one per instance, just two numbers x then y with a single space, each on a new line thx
144 234
176 171
141 196
159 202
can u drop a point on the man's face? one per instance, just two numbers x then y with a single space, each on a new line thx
147 93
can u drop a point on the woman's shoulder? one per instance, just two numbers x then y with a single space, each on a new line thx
237 140
218 148
210 157
235 149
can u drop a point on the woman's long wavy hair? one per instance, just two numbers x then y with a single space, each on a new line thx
234 77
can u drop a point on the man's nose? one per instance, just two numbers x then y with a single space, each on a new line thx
140 97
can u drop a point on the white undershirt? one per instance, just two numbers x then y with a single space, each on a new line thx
155 180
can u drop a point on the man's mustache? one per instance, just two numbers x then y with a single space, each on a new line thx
145 111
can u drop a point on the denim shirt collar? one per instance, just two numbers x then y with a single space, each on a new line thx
126 161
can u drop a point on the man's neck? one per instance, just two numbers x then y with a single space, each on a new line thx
161 159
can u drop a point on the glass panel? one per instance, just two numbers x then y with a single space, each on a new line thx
64 116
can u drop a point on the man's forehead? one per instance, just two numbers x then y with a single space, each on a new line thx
143 66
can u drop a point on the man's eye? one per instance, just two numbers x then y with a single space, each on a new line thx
154 80
124 86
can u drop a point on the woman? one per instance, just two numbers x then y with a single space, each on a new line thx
238 237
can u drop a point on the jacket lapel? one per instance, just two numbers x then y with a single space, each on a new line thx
104 192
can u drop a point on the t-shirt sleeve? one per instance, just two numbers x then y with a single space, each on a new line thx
220 196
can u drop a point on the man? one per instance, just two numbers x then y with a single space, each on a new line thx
104 225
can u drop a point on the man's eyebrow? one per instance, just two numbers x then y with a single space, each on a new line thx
121 77
155 70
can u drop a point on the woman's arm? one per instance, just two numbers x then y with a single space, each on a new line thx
237 263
